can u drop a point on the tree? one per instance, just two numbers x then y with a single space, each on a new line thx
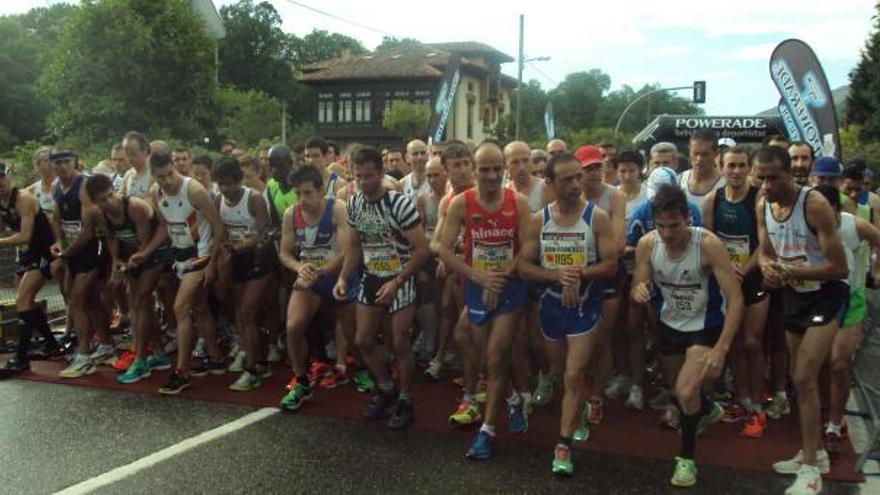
863 102
534 103
392 42
22 114
320 45
255 54
128 64
576 100
407 120
248 116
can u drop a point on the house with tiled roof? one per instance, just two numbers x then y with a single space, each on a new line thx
353 91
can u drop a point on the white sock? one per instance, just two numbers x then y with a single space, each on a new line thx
488 429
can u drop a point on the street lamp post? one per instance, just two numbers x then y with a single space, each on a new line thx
521 61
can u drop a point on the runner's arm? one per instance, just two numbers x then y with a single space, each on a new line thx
608 246
715 257
343 231
420 252
445 239
27 207
161 233
641 283
868 233
441 219
617 217
351 248
200 200
288 243
709 211
821 218
87 214
526 266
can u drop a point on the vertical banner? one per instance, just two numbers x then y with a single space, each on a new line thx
549 122
801 82
445 98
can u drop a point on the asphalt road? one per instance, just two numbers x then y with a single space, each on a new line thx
55 436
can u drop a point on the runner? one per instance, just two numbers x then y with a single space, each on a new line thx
802 157
414 183
130 224
77 244
312 235
120 164
802 253
187 216
250 259
703 177
317 155
392 247
182 161
856 234
729 212
687 266
494 220
27 229
43 188
663 154
137 180
569 237
613 202
539 163
609 151
556 147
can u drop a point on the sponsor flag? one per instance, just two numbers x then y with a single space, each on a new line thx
445 98
801 82
549 122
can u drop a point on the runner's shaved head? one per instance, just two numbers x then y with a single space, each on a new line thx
515 146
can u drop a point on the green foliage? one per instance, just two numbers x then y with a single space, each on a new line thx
576 100
247 116
392 42
320 45
300 133
596 135
255 54
128 64
863 102
854 147
534 102
407 120
663 102
22 160
21 113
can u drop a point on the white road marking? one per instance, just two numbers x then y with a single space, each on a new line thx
151 460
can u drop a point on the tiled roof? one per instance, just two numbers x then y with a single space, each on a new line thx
402 62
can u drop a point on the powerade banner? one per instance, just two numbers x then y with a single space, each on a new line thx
445 98
809 108
549 123
679 128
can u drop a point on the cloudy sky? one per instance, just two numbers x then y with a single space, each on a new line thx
671 43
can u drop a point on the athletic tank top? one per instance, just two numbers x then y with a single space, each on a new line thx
691 300
329 193
138 186
536 196
45 197
187 227
794 241
126 232
864 211
698 199
41 236
432 206
491 239
604 199
633 204
409 189
572 245
736 226
70 208
279 200
240 224
317 244
852 245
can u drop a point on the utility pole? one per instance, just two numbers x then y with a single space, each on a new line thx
521 61
284 123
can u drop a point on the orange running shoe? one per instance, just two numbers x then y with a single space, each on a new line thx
123 362
291 384
754 427
334 378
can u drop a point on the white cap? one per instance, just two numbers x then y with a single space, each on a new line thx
726 142
658 177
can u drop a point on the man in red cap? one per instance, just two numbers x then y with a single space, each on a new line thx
613 202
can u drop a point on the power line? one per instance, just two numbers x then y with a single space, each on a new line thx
341 19
539 71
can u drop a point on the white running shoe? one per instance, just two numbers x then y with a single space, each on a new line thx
80 366
617 387
245 382
104 354
635 400
274 355
793 465
237 365
808 481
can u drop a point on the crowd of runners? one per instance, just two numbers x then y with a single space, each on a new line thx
725 281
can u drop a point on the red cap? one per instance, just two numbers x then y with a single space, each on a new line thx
588 155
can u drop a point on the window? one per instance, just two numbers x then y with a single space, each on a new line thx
363 107
470 120
422 97
325 108
348 113
471 87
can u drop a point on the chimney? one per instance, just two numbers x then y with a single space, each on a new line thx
346 53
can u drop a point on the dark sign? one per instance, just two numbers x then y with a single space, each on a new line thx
679 128
806 106
445 98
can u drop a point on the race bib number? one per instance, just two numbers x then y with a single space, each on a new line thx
381 260
492 257
737 248
684 297
71 229
799 285
237 234
181 237
320 256
561 249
